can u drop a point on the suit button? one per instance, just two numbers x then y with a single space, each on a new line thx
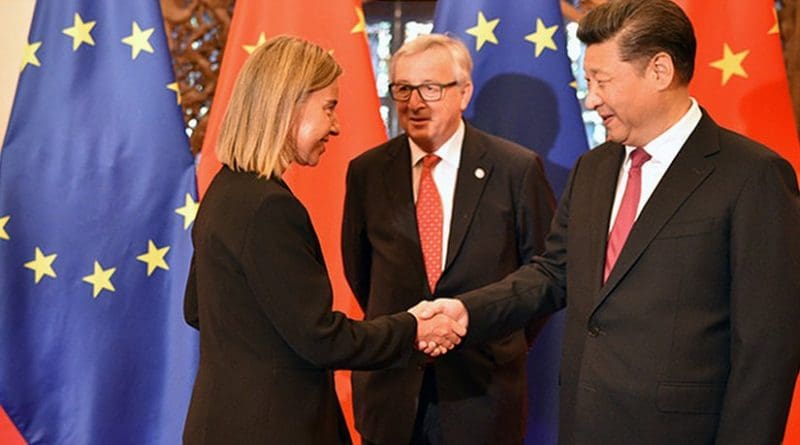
420 366
594 331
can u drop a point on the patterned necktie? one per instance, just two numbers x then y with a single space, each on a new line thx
429 220
626 214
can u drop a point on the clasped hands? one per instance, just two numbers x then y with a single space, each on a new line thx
440 325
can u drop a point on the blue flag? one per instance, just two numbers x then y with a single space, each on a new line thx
97 193
524 91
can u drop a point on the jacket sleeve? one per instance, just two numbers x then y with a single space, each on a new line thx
535 208
356 249
284 268
535 290
764 306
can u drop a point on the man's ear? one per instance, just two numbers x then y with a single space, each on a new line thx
466 94
662 70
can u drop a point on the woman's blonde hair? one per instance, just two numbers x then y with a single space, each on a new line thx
256 134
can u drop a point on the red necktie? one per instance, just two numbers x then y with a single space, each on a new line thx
429 220
626 214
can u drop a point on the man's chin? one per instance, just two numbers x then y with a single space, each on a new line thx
613 137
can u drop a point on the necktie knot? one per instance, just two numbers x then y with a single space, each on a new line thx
639 157
430 161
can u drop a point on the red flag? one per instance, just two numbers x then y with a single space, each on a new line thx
337 25
9 435
741 80
739 74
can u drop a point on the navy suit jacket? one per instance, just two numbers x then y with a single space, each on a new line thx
501 211
694 337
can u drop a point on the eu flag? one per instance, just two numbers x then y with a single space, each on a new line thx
524 92
97 193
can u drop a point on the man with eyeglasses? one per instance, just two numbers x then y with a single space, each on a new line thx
437 211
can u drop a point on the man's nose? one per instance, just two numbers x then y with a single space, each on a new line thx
416 100
592 100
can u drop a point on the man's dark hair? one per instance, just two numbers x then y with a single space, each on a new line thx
645 28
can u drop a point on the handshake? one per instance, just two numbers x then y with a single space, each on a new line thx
440 325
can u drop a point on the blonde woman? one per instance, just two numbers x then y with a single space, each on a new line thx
258 289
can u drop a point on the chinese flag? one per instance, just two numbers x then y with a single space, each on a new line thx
739 75
337 25
9 435
741 80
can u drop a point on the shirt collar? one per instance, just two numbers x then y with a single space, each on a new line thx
450 151
665 147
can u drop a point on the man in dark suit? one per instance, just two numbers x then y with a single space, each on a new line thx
676 248
412 229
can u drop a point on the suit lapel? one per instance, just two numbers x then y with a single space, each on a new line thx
469 187
400 193
689 169
606 174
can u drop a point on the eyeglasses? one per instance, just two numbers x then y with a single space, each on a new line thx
429 92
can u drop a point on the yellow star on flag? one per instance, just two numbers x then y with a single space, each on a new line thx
29 58
730 63
81 32
100 279
361 25
174 87
3 222
483 31
250 48
776 28
154 257
139 40
41 265
543 37
188 211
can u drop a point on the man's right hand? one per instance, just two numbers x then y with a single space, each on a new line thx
449 308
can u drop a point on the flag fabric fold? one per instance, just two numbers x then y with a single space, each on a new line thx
525 92
97 194
339 26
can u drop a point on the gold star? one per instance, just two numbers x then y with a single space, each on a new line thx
3 222
776 28
251 48
543 37
139 40
483 31
730 63
41 265
100 279
29 58
188 211
154 257
174 87
81 32
361 26
574 84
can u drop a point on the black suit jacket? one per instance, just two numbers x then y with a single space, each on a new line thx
694 337
259 293
498 223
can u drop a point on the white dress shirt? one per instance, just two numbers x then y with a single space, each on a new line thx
663 150
444 175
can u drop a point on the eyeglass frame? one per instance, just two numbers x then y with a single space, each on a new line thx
442 87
